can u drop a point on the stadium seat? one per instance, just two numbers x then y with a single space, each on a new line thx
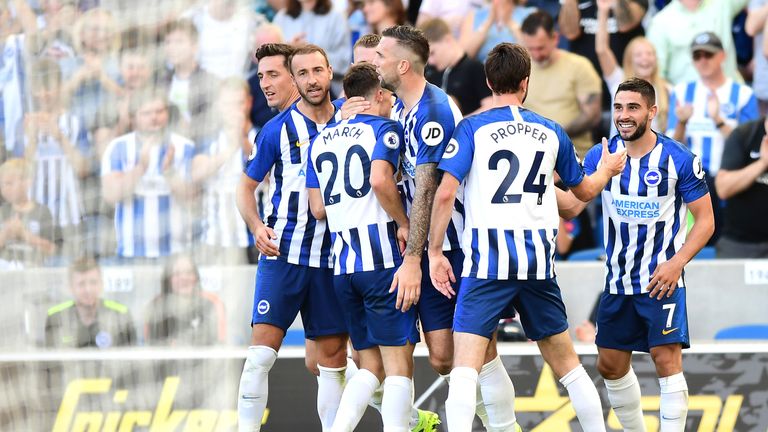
748 331
595 254
707 252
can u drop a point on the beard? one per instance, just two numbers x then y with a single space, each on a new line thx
639 131
390 85
317 102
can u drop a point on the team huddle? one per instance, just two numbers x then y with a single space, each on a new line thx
388 211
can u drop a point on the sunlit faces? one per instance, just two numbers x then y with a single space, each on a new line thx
86 287
275 81
14 186
708 64
179 47
375 11
234 105
644 60
631 114
135 69
387 62
541 45
312 76
152 116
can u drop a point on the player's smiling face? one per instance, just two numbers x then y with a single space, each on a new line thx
631 114
312 75
387 61
275 81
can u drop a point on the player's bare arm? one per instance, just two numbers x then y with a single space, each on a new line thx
440 270
383 184
408 276
664 278
316 205
248 208
568 206
611 164
589 115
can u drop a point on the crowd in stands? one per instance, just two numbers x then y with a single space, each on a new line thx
124 126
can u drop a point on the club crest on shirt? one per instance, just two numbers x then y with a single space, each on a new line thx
391 140
262 307
652 178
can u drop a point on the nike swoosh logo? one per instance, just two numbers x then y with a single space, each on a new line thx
666 332
301 143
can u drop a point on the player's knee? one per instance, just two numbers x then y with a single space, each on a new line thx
611 370
331 352
442 364
667 361
311 364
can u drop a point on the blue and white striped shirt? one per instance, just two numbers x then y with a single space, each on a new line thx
644 211
428 127
507 156
737 105
282 151
152 222
364 235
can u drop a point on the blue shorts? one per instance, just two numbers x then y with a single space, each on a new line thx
369 310
482 302
434 309
638 322
283 290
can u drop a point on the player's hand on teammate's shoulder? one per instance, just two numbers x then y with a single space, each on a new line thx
407 282
612 163
441 274
264 236
354 105
665 277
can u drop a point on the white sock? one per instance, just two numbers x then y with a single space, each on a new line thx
396 404
584 398
498 397
330 386
462 398
357 394
351 369
624 395
254 387
414 421
378 396
674 403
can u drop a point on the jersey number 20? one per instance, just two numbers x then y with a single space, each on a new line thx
530 185
353 192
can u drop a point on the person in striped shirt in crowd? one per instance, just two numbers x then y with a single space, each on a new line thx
643 305
225 236
57 143
351 182
145 174
509 236
295 271
704 112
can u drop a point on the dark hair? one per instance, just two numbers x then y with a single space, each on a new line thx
185 26
308 49
82 265
639 85
293 7
538 20
370 40
170 263
360 80
506 66
435 29
396 10
410 38
146 95
137 40
275 49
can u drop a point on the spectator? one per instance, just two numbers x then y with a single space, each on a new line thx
181 315
639 61
88 320
92 75
673 28
757 22
707 110
27 235
145 175
484 28
743 183
226 32
382 14
451 11
563 86
57 143
313 21
191 89
225 235
53 39
579 24
450 68
261 113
